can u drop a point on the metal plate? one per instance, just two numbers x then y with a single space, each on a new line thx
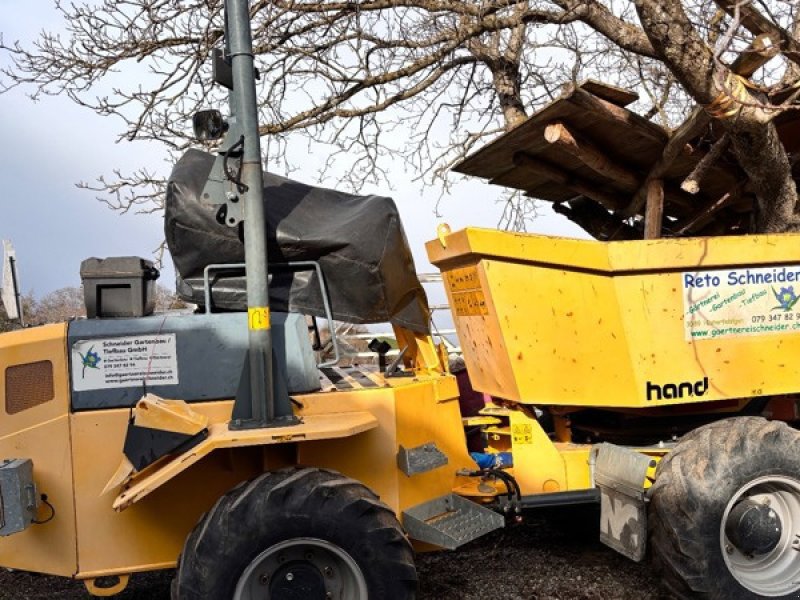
623 523
420 459
450 521
17 495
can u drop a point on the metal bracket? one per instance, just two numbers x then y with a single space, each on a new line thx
392 369
221 69
219 188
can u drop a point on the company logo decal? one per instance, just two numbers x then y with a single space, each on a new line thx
671 391
786 298
91 360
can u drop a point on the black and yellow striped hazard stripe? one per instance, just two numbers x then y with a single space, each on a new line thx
349 378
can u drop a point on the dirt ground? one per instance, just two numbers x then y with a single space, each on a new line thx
554 555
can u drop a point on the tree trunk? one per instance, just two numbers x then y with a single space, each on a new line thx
754 137
507 83
762 156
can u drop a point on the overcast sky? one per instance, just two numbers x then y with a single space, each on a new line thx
48 146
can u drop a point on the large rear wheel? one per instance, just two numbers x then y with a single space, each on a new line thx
725 512
304 534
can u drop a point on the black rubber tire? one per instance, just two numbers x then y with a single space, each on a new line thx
295 503
693 486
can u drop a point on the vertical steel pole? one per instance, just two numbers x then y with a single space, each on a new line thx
17 294
255 235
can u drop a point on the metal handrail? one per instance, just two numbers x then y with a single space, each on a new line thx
299 264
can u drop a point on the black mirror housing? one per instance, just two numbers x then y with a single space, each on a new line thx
209 125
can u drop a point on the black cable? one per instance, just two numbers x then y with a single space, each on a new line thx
509 481
510 477
506 479
235 178
52 512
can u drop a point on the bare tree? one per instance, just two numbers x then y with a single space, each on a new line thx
68 303
28 304
58 306
422 82
167 300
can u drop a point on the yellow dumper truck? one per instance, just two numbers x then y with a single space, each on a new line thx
646 352
631 374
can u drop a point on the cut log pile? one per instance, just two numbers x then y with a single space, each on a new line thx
621 176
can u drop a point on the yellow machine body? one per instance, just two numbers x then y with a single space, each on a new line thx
541 465
636 324
75 454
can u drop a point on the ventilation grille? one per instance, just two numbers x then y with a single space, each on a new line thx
28 385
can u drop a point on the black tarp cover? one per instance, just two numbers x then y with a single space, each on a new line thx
358 241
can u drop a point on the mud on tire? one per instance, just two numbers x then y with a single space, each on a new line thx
309 510
712 469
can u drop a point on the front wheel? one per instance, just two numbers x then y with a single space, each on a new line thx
725 512
297 534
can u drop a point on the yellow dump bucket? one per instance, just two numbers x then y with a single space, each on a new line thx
546 320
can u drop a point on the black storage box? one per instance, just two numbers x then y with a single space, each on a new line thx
121 286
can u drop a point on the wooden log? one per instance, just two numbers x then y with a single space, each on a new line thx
590 155
691 128
761 50
692 182
710 209
654 212
686 226
553 173
748 62
593 157
611 93
758 24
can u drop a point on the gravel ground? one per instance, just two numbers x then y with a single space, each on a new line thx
554 555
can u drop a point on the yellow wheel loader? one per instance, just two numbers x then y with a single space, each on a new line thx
634 375
217 442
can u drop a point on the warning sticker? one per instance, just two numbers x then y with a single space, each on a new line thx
740 302
258 317
466 278
521 433
470 304
124 362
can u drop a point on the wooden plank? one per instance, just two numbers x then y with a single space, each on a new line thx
612 93
654 212
598 222
712 208
616 115
496 157
708 211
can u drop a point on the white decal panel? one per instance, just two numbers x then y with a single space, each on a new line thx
741 302
145 360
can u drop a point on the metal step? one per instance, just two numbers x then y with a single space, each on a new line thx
450 521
